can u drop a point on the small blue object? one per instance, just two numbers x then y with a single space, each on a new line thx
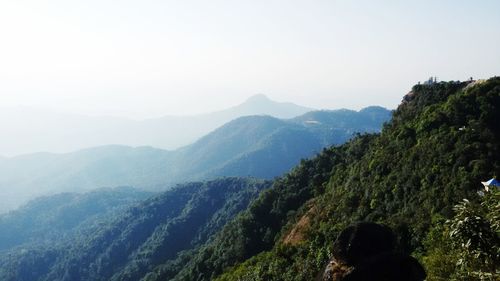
492 182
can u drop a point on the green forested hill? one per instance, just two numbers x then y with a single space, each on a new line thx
443 140
126 245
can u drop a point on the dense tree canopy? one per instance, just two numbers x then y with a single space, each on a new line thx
126 245
443 140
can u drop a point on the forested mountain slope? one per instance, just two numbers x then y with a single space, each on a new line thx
51 218
127 245
443 140
266 147
260 146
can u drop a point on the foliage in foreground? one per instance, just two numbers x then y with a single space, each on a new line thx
467 247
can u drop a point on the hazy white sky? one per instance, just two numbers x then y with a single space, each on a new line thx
149 58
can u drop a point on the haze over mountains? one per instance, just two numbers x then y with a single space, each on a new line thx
135 143
258 146
25 130
439 144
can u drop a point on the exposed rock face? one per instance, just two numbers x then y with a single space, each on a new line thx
297 234
366 252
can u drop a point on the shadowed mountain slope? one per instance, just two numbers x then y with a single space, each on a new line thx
51 217
125 245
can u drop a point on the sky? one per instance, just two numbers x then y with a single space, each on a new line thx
149 58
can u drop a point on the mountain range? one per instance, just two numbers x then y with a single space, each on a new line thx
258 146
26 130
413 176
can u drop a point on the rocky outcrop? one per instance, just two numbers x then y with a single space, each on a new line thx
298 232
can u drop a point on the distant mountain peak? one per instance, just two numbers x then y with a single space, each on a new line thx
261 104
258 98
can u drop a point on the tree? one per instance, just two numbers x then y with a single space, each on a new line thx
475 234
